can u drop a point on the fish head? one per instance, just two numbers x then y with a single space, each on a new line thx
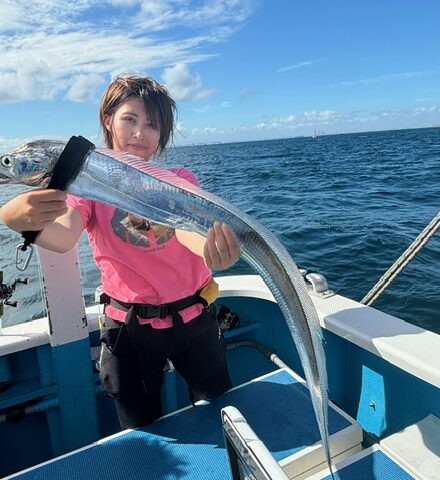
31 164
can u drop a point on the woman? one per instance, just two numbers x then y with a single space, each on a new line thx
157 281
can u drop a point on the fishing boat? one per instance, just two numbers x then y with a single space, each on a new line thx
384 390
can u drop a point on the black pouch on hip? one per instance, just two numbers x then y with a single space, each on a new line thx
226 318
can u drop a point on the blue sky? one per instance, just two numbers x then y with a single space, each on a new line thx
238 69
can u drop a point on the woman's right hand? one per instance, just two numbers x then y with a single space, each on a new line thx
34 210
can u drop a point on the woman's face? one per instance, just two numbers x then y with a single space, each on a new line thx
131 129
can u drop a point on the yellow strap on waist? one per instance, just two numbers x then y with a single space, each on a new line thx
210 291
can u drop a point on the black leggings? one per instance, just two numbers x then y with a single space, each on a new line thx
133 358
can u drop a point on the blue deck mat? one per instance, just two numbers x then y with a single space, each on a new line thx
376 466
189 444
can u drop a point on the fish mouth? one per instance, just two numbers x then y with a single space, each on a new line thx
4 179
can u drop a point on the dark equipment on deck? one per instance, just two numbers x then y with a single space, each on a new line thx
6 292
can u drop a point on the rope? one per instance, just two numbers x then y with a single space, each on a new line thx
41 285
386 279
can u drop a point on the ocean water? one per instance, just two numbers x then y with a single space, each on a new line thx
345 206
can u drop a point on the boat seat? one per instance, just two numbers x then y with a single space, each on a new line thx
189 444
249 458
417 448
373 463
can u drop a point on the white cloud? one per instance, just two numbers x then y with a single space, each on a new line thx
122 3
324 115
84 88
325 121
33 78
47 45
381 78
184 86
300 65
11 16
180 82
208 108
205 94
8 144
57 59
422 110
288 119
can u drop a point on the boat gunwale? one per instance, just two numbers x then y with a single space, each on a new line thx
409 347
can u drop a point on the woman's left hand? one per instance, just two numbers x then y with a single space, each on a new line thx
221 249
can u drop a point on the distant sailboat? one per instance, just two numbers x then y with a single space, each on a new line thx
314 134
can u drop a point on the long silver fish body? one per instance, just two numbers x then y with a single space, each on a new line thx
149 191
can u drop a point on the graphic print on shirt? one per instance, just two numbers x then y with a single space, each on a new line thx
136 231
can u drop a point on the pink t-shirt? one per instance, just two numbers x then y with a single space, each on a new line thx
141 263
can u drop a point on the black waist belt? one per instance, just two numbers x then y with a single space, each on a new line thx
147 311
156 311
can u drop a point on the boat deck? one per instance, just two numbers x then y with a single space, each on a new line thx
189 444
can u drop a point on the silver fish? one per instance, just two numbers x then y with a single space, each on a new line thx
150 191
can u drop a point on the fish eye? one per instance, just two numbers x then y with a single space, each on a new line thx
6 161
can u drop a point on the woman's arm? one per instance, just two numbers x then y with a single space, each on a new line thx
62 234
45 211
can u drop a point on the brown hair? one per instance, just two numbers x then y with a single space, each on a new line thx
159 106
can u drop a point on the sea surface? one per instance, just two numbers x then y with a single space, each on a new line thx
345 206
